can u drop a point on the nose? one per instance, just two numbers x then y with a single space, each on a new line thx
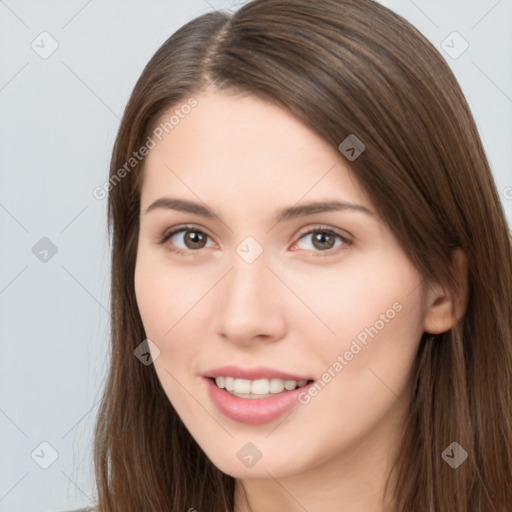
251 303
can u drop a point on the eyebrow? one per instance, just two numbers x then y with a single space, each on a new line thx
291 212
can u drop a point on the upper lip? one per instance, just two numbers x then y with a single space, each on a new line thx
259 372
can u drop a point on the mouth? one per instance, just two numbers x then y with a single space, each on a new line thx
255 402
255 395
258 388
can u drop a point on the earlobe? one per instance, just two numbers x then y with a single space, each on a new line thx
445 307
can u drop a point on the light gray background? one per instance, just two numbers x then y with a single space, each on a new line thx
59 117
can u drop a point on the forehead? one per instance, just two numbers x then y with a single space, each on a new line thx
239 148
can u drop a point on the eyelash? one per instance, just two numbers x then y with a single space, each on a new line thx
192 253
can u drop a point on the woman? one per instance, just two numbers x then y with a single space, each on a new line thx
311 275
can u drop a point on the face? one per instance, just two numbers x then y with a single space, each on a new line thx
319 297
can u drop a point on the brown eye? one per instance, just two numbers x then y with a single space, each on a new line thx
185 240
194 239
323 240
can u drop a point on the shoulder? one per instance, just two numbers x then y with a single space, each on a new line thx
87 509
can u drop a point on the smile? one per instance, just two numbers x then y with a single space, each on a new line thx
255 408
257 389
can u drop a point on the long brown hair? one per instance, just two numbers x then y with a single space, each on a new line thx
342 67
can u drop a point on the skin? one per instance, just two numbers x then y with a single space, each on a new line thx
296 307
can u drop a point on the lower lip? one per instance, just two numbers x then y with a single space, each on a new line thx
253 411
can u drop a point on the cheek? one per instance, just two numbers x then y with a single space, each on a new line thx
366 291
376 311
152 298
362 380
162 292
167 298
373 360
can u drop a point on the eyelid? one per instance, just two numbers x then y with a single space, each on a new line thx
325 227
182 227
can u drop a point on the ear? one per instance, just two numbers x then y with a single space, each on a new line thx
444 308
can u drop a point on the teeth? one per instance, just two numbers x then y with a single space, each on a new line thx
276 385
229 383
290 385
242 386
257 387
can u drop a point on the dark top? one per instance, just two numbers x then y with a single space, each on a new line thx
87 509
